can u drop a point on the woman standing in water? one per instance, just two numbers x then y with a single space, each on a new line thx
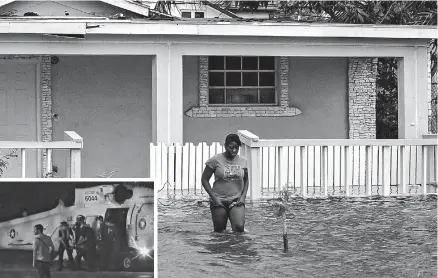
227 197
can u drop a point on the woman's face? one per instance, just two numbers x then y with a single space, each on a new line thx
231 149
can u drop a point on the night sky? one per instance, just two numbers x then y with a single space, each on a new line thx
37 197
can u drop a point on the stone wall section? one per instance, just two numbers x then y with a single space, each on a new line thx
362 74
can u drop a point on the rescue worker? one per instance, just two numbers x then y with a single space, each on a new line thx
111 243
65 235
85 245
42 252
77 228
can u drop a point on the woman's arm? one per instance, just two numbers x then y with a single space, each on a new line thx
245 186
205 180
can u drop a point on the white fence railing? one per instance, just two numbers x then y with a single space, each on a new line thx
315 167
73 142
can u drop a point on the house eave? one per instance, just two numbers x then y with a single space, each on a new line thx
212 28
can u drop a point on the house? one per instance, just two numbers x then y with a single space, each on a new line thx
218 9
122 82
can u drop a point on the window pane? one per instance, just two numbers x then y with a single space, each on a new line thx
216 79
216 96
241 96
199 14
186 14
267 63
249 63
233 79
216 62
250 79
267 95
267 79
233 63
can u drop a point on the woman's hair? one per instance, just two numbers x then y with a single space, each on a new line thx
39 227
233 138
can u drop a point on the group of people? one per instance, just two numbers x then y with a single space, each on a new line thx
98 247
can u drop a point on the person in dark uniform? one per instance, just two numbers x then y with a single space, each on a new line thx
85 245
65 235
77 228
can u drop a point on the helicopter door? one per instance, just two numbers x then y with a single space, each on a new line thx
144 225
118 217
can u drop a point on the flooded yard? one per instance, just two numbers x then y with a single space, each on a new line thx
336 237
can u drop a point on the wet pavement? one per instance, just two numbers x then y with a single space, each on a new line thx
31 273
18 264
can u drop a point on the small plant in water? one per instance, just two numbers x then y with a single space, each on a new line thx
282 208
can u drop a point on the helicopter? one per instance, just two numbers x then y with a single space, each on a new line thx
131 205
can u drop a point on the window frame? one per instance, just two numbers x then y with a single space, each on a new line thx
192 14
275 87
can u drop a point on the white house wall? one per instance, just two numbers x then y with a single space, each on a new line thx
44 98
107 101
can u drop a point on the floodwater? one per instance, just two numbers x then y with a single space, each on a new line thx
337 237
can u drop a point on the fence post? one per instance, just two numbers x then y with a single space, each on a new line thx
75 154
253 157
432 159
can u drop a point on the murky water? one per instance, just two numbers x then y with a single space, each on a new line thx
376 237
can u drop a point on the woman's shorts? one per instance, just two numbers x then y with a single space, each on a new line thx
228 205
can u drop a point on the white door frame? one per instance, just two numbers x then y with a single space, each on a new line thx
37 63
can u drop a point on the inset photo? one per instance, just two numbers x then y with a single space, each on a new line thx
77 228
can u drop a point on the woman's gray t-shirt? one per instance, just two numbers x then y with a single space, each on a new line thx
228 175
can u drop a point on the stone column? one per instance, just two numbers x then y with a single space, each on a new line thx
362 73
46 107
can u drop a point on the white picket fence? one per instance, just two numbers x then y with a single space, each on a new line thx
307 167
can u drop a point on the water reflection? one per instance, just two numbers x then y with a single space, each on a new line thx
228 245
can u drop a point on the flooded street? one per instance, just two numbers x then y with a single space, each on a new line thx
360 237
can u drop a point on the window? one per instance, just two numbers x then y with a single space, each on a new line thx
190 14
241 80
186 14
199 14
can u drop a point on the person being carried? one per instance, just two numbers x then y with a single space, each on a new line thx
102 252
65 235
85 245
42 252
227 197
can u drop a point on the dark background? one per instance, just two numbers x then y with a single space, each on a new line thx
37 197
